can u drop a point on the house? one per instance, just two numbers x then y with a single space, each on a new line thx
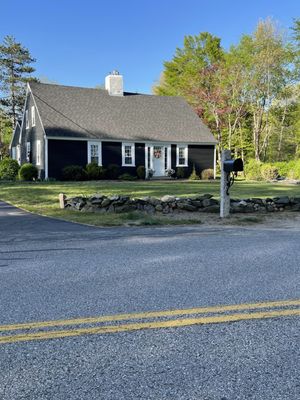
66 125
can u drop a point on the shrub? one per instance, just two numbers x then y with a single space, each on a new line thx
127 177
94 171
194 176
28 172
170 173
9 169
294 169
283 168
268 172
74 173
141 172
253 170
207 174
113 171
180 172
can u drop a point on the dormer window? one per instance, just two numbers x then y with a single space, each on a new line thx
32 116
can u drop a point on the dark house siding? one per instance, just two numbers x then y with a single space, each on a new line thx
15 139
32 134
200 156
139 154
112 154
65 152
68 152
173 156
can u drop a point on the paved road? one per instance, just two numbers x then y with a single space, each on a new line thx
54 270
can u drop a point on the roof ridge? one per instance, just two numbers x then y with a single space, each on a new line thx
100 89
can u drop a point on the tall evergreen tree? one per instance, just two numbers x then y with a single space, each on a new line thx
15 72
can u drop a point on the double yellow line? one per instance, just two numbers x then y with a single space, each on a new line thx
158 319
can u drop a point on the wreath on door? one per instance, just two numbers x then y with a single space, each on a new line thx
157 153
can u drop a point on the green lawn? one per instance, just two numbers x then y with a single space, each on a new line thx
42 197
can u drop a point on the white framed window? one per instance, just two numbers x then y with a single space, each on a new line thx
26 119
13 153
182 155
28 150
95 152
38 152
32 116
128 155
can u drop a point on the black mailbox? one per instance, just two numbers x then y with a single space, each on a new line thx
233 165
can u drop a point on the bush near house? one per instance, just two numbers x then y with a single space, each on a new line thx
127 177
141 172
28 172
95 172
74 173
194 176
180 172
9 169
207 174
113 171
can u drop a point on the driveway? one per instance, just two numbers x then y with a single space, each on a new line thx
147 313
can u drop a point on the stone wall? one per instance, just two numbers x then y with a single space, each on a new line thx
170 204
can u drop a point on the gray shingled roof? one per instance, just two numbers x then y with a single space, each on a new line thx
92 113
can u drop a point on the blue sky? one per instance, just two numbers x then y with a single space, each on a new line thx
77 42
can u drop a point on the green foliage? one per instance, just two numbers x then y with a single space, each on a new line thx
113 171
283 168
15 72
5 134
269 172
95 172
74 173
194 176
141 172
28 172
127 177
294 169
9 169
246 95
207 174
253 170
181 172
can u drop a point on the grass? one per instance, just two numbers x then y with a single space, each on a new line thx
42 197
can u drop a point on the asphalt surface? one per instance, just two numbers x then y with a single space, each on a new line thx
51 270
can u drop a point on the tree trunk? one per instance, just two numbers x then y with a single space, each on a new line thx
279 148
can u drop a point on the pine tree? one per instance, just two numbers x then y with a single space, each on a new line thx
15 72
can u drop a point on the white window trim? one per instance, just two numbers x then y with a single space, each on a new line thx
99 144
132 154
28 150
26 119
32 116
186 155
38 152
18 154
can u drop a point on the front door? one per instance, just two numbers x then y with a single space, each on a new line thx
158 160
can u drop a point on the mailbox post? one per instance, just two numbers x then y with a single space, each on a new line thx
224 195
229 169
